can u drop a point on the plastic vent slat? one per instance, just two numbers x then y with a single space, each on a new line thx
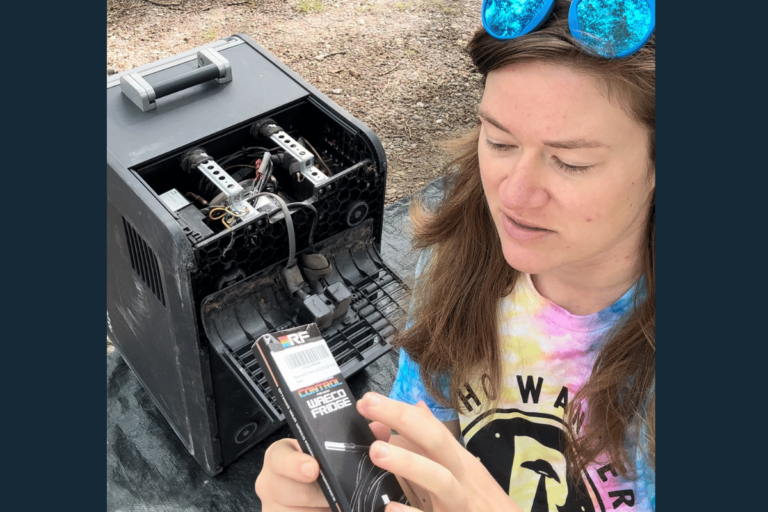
378 306
144 261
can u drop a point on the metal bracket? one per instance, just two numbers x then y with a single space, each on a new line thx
231 189
300 159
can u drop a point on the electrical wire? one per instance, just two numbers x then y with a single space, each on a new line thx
265 170
251 154
367 485
240 165
288 224
226 217
220 199
244 152
304 142
263 174
311 243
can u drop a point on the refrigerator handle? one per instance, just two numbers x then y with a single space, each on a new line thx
211 66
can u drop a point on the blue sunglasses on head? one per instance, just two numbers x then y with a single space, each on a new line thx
609 28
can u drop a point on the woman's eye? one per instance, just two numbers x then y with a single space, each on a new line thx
497 147
570 168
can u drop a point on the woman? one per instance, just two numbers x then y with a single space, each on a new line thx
532 331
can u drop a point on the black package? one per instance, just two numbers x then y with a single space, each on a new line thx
320 410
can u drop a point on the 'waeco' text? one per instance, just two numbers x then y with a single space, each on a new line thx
328 403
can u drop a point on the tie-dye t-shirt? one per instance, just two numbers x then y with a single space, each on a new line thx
548 354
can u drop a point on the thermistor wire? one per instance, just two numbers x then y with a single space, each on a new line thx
288 224
314 221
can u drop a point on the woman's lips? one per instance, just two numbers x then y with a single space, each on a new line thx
521 231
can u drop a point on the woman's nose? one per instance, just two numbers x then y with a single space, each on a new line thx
524 185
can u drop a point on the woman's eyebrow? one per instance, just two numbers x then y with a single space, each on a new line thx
575 144
560 144
488 118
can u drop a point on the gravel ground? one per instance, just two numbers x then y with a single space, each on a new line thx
400 66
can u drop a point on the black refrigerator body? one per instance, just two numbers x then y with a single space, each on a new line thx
200 264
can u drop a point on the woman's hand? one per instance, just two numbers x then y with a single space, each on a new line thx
455 480
288 479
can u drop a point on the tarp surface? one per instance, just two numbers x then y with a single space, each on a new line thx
148 469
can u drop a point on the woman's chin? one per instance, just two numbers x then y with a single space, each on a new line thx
525 262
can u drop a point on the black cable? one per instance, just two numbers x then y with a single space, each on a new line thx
244 152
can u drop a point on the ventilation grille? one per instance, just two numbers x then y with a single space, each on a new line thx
144 261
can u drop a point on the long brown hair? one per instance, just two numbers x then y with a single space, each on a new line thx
455 329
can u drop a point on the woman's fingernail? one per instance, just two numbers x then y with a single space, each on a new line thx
308 469
381 450
394 507
372 399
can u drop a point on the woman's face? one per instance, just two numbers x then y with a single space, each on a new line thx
565 171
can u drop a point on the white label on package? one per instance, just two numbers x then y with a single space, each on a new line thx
304 365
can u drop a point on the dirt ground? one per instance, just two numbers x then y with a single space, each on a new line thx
400 66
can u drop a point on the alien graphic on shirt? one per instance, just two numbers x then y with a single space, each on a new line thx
528 455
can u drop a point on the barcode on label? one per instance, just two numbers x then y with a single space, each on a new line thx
305 365
307 357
